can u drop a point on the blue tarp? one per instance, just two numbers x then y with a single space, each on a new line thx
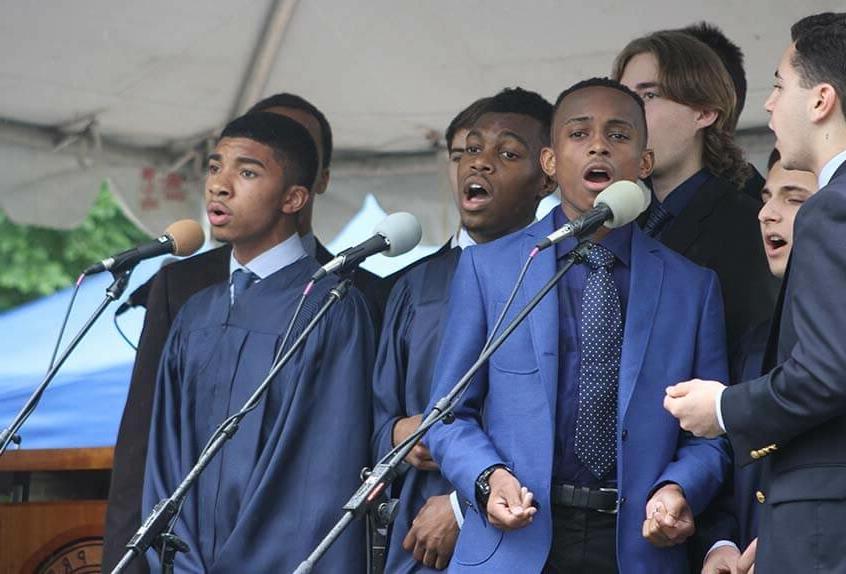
83 404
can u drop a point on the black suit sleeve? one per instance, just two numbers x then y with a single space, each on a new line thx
808 387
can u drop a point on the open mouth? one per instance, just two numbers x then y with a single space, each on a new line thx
775 241
597 177
476 195
218 214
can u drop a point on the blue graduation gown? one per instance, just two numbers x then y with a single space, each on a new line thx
278 486
408 347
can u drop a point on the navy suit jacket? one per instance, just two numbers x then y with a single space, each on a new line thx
734 515
794 417
673 331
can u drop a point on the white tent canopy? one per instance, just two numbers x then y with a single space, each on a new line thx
130 92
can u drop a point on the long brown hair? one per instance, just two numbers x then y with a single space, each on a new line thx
690 73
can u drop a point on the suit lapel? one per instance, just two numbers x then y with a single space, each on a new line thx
645 280
543 320
771 352
685 229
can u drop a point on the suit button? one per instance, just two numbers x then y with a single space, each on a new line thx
755 454
759 496
625 434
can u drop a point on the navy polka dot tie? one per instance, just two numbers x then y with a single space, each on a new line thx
241 281
601 345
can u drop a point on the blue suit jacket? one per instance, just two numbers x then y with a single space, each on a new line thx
673 331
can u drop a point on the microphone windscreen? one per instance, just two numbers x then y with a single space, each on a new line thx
187 236
626 201
402 230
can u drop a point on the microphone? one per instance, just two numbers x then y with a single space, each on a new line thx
183 237
618 204
396 234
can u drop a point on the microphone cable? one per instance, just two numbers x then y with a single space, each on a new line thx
65 321
122 334
15 437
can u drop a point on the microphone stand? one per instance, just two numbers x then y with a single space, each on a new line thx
378 479
152 531
113 293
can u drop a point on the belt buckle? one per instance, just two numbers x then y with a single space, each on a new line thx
616 505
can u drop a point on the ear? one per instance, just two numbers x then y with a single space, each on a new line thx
321 183
824 101
547 161
296 196
705 118
647 163
548 186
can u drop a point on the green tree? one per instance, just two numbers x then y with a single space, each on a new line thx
38 261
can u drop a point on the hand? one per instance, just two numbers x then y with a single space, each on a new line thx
433 533
669 520
510 505
746 564
694 404
722 560
419 457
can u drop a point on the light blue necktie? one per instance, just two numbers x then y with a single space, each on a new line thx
241 281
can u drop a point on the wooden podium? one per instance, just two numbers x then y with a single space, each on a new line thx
55 522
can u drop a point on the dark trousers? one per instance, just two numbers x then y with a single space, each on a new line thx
583 541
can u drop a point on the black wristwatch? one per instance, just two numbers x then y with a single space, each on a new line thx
483 487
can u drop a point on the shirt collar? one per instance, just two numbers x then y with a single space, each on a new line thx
681 196
462 239
273 259
828 170
618 241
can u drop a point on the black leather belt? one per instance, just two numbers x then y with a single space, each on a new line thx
599 499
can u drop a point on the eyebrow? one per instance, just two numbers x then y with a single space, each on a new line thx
503 133
514 135
241 160
645 85
613 121
794 188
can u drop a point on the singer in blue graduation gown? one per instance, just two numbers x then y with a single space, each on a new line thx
411 337
277 487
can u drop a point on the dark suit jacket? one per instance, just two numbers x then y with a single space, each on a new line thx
171 287
733 516
719 229
795 416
